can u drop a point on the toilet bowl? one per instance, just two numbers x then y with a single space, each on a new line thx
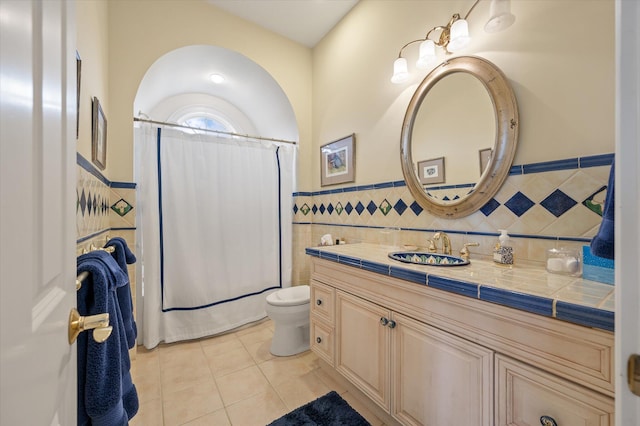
289 310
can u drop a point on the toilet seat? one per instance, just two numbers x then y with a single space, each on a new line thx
292 296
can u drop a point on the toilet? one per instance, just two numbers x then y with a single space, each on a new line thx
289 310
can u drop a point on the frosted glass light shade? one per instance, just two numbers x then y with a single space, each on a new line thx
500 16
459 36
427 56
400 71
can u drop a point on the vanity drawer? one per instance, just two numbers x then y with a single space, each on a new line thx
526 394
322 301
321 335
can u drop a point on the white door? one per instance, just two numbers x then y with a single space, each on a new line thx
37 217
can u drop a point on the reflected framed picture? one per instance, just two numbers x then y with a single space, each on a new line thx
98 136
485 157
431 171
338 161
78 81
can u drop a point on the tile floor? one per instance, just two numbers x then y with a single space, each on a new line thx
230 379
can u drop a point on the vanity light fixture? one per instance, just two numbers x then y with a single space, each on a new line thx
452 37
216 78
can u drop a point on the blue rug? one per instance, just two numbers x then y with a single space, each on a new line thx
328 410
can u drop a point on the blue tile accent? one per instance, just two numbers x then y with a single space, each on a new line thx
516 170
596 160
365 187
330 256
351 261
312 252
86 164
383 185
359 208
322 208
302 194
348 208
453 286
400 206
330 208
350 189
371 207
399 184
408 275
416 208
123 185
295 208
519 204
378 268
548 166
584 315
558 203
314 209
488 208
513 299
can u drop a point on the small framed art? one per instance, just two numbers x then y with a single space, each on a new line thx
431 171
98 136
338 161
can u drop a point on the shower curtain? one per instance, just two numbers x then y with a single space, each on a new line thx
214 226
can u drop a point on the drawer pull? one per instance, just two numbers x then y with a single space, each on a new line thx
384 321
392 324
318 302
318 340
547 421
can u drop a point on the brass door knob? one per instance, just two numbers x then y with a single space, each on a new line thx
78 324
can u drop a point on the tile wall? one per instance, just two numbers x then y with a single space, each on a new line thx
542 205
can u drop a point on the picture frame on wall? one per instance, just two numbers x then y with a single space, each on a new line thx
338 161
485 158
98 136
78 85
431 171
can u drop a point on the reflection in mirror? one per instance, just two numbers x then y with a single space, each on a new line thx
454 121
462 120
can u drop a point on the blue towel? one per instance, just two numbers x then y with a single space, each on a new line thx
106 393
123 257
603 244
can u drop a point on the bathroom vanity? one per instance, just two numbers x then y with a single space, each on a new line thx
469 345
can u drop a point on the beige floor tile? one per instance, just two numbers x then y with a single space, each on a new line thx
260 351
191 403
297 391
281 369
148 387
258 410
221 346
229 362
261 335
217 418
252 328
181 377
192 354
241 385
149 414
329 381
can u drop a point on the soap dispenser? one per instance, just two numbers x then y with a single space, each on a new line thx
503 252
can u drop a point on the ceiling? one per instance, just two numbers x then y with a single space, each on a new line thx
303 21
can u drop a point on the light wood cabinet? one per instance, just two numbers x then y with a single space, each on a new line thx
446 354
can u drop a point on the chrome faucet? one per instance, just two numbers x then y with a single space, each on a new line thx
446 242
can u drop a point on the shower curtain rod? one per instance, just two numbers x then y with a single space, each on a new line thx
164 123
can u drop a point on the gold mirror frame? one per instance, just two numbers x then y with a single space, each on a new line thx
506 113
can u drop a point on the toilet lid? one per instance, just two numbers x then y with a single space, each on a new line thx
298 295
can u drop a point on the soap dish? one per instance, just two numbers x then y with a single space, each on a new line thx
564 261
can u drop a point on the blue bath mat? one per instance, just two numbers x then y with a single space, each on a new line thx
328 410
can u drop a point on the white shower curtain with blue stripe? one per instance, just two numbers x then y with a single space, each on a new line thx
214 230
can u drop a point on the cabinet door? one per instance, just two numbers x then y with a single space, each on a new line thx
439 379
362 346
525 394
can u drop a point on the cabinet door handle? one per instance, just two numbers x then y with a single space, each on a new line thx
547 421
392 324
318 302
384 321
318 340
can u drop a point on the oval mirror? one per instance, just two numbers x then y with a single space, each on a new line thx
459 137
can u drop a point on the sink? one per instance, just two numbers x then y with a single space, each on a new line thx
426 258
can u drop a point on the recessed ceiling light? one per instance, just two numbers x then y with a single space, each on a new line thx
216 78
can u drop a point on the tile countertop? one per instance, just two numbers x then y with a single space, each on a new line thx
527 287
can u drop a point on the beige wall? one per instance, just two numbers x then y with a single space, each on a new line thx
141 31
562 74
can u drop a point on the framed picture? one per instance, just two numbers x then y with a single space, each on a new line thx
431 171
99 136
338 161
485 157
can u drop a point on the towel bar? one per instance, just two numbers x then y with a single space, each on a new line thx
85 274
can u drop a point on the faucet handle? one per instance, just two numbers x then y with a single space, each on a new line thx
432 247
464 251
